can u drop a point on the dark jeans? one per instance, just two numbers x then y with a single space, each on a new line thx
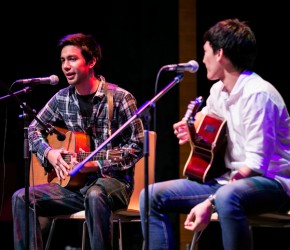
100 200
234 203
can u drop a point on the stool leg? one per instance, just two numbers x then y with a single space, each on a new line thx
195 239
84 235
50 234
252 237
120 234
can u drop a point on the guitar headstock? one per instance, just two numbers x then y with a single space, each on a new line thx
192 108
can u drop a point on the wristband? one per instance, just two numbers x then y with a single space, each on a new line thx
211 199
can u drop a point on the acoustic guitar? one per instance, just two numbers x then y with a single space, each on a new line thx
73 142
208 144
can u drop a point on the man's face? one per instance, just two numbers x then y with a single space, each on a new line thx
74 65
211 62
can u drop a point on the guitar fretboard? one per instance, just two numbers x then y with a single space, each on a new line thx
102 155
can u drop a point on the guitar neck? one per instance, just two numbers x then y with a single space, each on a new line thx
114 155
192 109
102 155
189 116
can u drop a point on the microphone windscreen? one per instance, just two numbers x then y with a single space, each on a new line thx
54 79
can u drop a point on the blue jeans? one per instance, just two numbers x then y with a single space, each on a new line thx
105 196
234 203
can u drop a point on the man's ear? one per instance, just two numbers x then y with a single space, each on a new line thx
220 52
92 63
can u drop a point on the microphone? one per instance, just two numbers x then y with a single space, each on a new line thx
52 80
59 135
191 66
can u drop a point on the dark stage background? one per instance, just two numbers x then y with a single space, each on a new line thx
137 38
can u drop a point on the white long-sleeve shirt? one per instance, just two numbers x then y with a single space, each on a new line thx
258 127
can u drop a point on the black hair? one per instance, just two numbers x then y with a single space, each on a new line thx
237 41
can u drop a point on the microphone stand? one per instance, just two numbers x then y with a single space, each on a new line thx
48 128
139 113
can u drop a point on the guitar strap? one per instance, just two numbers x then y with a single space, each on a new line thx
109 89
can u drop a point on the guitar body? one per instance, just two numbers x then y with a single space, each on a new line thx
72 143
208 144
